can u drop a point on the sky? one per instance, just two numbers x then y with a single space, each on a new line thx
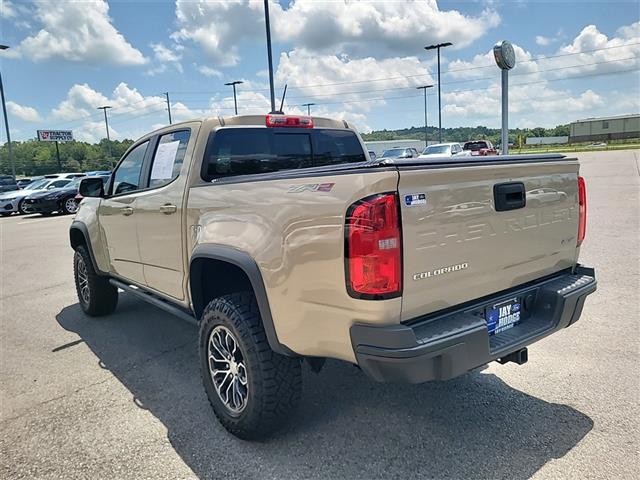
356 60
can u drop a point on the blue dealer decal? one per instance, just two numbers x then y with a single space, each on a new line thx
414 199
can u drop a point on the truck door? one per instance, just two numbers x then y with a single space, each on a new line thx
159 211
117 214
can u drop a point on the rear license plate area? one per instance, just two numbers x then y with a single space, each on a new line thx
503 316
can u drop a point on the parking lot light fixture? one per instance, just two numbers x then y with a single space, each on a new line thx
437 47
233 84
6 123
308 105
424 88
106 123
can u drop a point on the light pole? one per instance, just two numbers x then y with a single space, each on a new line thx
437 47
233 84
505 57
106 124
6 123
166 94
308 105
424 88
268 27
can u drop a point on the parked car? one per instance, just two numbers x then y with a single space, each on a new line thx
480 147
95 173
11 202
217 236
443 150
62 200
8 183
399 152
65 175
24 182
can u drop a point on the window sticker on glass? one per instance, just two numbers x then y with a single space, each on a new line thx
164 159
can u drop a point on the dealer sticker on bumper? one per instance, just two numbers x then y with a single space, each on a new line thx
503 316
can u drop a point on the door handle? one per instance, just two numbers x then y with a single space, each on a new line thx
126 211
509 196
168 209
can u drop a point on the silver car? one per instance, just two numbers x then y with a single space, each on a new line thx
440 150
11 202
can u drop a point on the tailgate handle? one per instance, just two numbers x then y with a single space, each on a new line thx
509 196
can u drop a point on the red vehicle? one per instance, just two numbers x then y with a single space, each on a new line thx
480 147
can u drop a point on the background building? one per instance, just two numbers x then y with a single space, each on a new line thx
605 128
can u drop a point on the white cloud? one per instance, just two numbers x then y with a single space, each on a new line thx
77 32
308 75
543 41
353 27
591 52
209 72
7 9
164 56
78 110
399 27
28 114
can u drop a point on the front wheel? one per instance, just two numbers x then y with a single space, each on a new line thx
252 389
21 209
96 295
69 206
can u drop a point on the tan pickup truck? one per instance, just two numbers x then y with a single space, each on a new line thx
284 242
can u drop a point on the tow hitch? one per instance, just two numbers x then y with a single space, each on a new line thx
520 357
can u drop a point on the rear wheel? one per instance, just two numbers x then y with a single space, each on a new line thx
252 389
96 295
69 206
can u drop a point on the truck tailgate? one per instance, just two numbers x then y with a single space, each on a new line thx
456 245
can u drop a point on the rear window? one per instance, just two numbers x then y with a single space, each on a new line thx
247 151
473 146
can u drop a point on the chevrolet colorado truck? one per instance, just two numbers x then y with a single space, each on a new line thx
285 243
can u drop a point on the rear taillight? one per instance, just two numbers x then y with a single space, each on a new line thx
373 248
288 121
582 210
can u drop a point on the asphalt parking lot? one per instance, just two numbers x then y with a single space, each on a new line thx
120 397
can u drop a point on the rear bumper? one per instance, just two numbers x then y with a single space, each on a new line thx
443 346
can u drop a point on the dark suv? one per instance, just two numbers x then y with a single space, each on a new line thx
7 183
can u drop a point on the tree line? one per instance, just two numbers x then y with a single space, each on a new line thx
463 134
32 157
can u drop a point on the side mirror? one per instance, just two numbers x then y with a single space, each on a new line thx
91 187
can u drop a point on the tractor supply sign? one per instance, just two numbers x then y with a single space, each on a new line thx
55 135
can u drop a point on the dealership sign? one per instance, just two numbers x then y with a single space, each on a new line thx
55 135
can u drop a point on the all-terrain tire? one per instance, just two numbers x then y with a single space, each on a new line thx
96 295
274 381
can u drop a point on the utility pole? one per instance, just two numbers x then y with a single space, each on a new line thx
233 84
308 105
268 27
6 123
106 123
437 47
166 94
426 138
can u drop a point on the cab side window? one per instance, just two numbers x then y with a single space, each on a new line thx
168 159
127 176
